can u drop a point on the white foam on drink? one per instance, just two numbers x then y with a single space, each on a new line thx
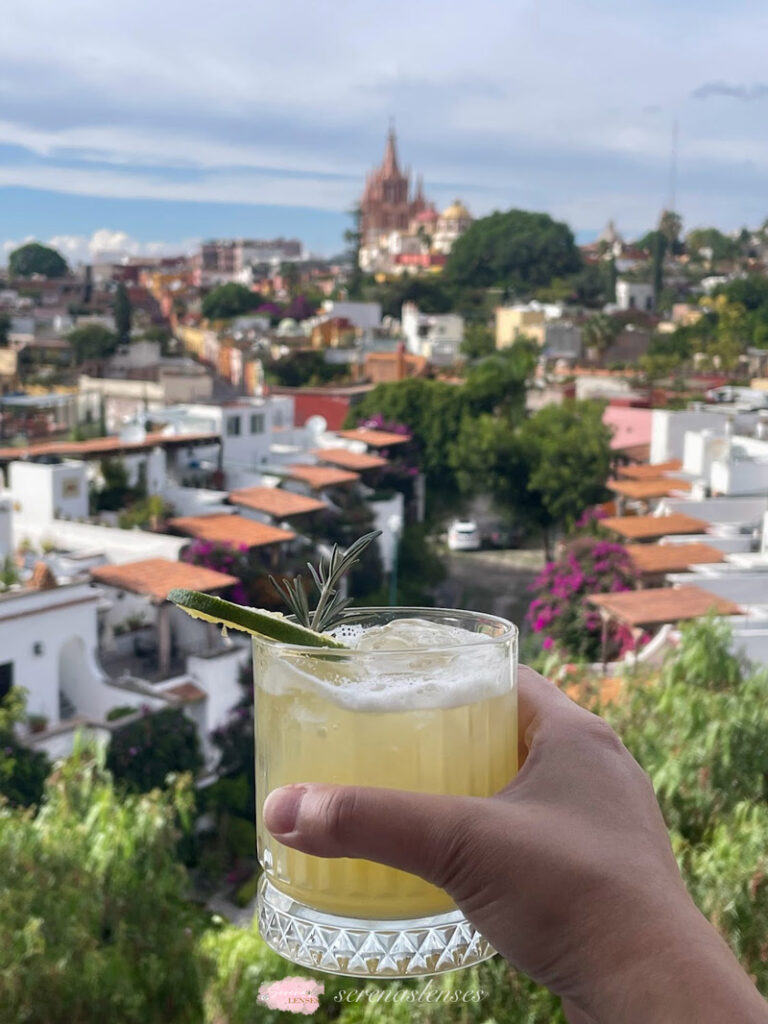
401 666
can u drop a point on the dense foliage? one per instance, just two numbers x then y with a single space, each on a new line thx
94 924
22 771
94 921
561 615
92 341
434 410
34 258
698 730
228 300
516 250
143 753
545 470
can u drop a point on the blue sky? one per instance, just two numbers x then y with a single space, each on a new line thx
146 126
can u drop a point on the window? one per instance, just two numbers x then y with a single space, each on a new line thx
233 426
257 422
6 678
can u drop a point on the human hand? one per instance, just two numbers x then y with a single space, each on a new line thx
568 871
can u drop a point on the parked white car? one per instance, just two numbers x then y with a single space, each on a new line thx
464 535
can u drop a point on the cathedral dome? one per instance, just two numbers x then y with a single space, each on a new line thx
456 211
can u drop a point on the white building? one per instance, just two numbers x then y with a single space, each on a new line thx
45 492
436 336
366 315
634 295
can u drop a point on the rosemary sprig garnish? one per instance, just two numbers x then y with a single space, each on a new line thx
330 603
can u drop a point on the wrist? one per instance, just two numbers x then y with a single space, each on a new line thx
675 969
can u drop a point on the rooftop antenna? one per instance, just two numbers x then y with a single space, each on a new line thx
673 169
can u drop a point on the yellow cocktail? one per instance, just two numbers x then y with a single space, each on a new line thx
424 700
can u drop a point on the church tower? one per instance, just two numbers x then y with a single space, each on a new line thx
386 205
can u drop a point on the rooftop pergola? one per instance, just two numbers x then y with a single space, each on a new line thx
231 530
654 527
650 471
658 559
343 457
103 447
276 502
659 606
374 438
647 490
319 477
155 578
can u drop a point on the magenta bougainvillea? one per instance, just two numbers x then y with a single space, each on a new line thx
221 558
560 613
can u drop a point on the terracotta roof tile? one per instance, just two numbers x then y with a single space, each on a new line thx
658 558
651 527
275 501
349 460
234 530
374 438
154 577
321 476
660 605
188 692
643 490
651 471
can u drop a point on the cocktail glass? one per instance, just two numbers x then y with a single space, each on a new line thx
431 708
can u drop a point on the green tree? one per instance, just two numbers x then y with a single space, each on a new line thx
34 258
546 470
229 300
660 245
431 409
22 771
5 326
94 920
670 226
568 456
600 331
353 238
122 311
92 341
720 246
143 753
516 250
499 381
478 341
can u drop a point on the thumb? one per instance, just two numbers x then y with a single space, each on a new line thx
428 835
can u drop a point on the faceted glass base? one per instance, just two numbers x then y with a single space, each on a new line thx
371 949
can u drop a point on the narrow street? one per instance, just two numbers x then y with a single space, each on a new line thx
490 581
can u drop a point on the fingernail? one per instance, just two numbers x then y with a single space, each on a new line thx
281 809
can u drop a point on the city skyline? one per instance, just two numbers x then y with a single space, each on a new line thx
266 123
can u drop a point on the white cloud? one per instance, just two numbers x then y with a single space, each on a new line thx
85 248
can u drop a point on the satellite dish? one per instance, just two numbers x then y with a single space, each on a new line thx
316 425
